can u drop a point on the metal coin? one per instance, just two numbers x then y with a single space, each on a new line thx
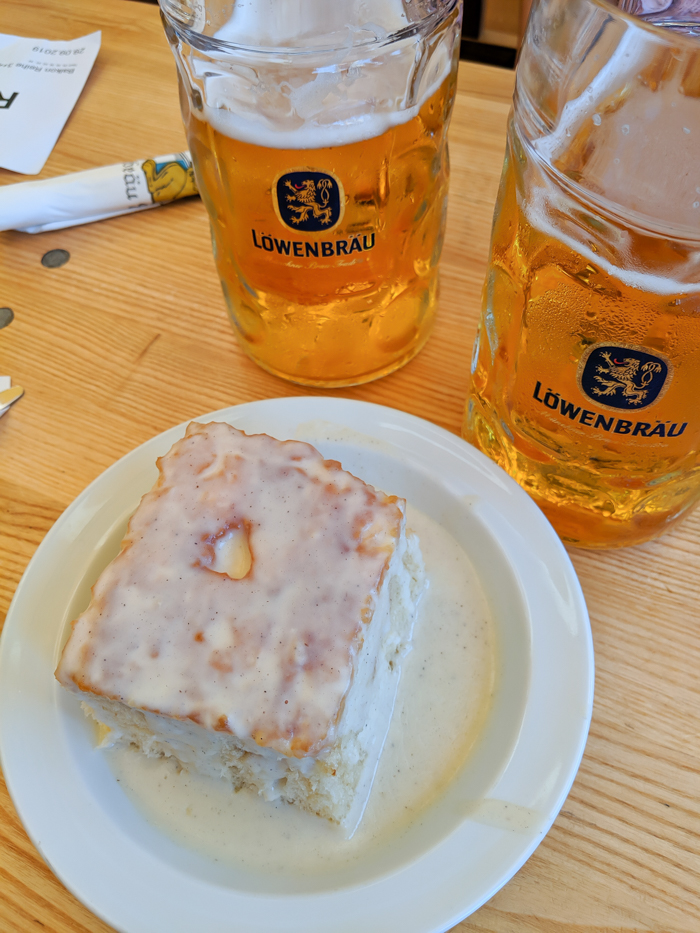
55 258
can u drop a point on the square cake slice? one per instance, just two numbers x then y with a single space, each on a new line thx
253 623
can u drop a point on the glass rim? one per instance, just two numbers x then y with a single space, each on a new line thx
205 43
657 28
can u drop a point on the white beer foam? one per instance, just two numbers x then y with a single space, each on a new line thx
537 212
315 127
351 95
308 136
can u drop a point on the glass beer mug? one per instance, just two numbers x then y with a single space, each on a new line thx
586 368
318 134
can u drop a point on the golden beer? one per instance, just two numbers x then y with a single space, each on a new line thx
586 370
355 298
318 137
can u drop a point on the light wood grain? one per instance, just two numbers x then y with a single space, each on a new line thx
131 337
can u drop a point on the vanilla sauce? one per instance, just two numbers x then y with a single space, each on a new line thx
444 696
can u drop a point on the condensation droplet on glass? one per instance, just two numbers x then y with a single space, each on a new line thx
686 130
597 119
696 203
625 128
616 161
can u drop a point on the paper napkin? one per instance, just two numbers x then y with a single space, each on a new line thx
98 193
40 82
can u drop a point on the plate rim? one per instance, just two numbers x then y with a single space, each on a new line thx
333 409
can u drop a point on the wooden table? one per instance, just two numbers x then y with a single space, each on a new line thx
131 337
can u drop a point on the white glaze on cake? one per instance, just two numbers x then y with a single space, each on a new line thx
253 624
261 657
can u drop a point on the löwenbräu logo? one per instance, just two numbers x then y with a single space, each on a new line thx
604 422
623 377
306 249
308 200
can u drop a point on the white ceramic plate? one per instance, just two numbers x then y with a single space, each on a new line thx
465 848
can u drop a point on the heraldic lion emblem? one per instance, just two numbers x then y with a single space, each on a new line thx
630 375
310 198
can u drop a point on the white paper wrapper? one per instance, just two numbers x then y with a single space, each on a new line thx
83 197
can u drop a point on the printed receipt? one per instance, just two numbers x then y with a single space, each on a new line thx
40 82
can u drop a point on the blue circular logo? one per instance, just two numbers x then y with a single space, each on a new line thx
620 377
308 200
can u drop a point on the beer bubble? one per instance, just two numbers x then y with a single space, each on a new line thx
597 119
